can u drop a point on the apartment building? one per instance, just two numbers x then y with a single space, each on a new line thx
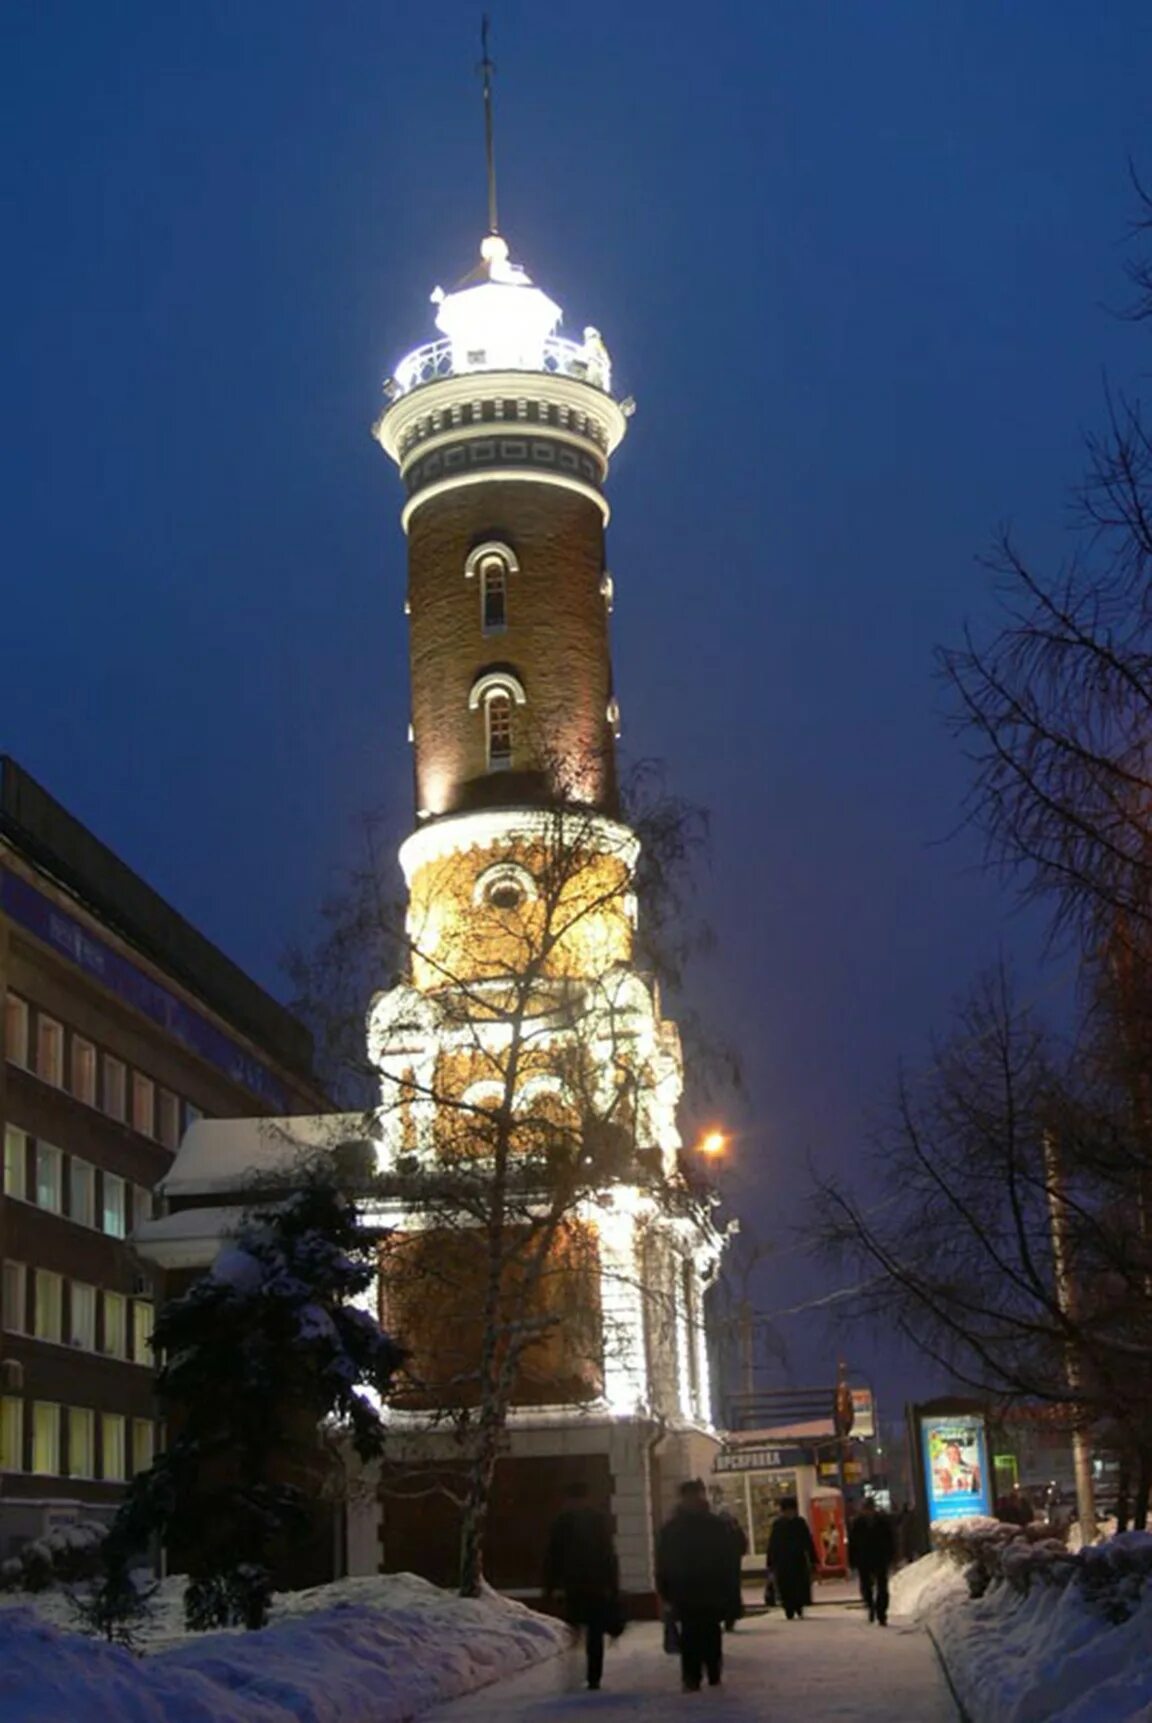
122 1025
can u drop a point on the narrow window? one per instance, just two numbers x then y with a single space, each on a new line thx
83 1080
113 1208
82 1195
15 1298
16 1030
112 1446
82 1316
142 1331
143 1104
494 595
49 1306
45 1439
143 1443
11 1435
50 1051
81 1442
168 1118
49 1178
15 1162
115 1325
498 711
115 1087
143 1207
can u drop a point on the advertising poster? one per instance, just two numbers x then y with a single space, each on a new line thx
955 1466
828 1534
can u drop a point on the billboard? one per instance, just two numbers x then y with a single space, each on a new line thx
955 1450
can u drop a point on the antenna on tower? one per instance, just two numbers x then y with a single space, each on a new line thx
486 70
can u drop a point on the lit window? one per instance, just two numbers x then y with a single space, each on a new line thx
45 1438
15 1162
112 1445
83 1070
143 1104
498 715
115 1325
115 1087
81 1442
114 1217
11 1435
82 1316
143 1443
142 1331
16 1030
50 1050
15 1298
82 1192
493 595
49 1178
48 1314
168 1118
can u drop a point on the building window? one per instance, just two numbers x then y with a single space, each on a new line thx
15 1298
49 1178
114 1216
81 1442
48 1306
115 1325
143 1443
15 1163
83 1063
143 1104
16 1030
115 1087
112 1445
143 1206
82 1192
493 595
168 1118
50 1051
11 1435
45 1439
82 1316
142 1331
498 717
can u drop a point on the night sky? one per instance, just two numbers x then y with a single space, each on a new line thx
856 263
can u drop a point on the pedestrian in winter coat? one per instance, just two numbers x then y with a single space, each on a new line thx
739 1542
694 1576
791 1557
871 1551
581 1565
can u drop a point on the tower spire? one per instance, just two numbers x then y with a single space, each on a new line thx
486 71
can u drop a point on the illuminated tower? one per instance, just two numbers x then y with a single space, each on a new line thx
502 430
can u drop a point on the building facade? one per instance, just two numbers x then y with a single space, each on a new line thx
122 1026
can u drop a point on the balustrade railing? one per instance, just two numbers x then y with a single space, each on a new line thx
558 356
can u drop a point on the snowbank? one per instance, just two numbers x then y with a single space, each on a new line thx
1053 1638
374 1650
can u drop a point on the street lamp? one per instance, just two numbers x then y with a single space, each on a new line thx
712 1144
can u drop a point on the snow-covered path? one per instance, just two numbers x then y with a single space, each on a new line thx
832 1667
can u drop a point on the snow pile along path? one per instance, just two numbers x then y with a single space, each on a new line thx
375 1650
1049 1654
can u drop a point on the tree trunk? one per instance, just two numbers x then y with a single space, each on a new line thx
474 1521
1143 1491
1123 1492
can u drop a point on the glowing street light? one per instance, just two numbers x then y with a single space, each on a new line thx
713 1144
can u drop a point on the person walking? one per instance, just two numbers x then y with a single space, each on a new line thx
581 1565
871 1552
791 1558
694 1571
739 1542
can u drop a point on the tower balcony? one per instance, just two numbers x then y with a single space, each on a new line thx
586 361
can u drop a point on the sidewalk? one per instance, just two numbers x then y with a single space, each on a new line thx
832 1667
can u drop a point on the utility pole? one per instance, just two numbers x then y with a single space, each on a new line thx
1068 1300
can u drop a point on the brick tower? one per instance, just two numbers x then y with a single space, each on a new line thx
502 430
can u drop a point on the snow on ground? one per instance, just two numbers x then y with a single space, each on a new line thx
832 1667
374 1650
1047 1655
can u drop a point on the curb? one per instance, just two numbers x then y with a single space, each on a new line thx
962 1711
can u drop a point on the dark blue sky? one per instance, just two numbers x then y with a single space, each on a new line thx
852 259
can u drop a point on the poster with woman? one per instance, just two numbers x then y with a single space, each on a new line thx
955 1466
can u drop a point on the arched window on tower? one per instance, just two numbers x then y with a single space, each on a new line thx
498 719
494 595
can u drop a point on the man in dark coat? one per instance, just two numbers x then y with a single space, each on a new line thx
791 1557
739 1541
871 1551
581 1564
694 1572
